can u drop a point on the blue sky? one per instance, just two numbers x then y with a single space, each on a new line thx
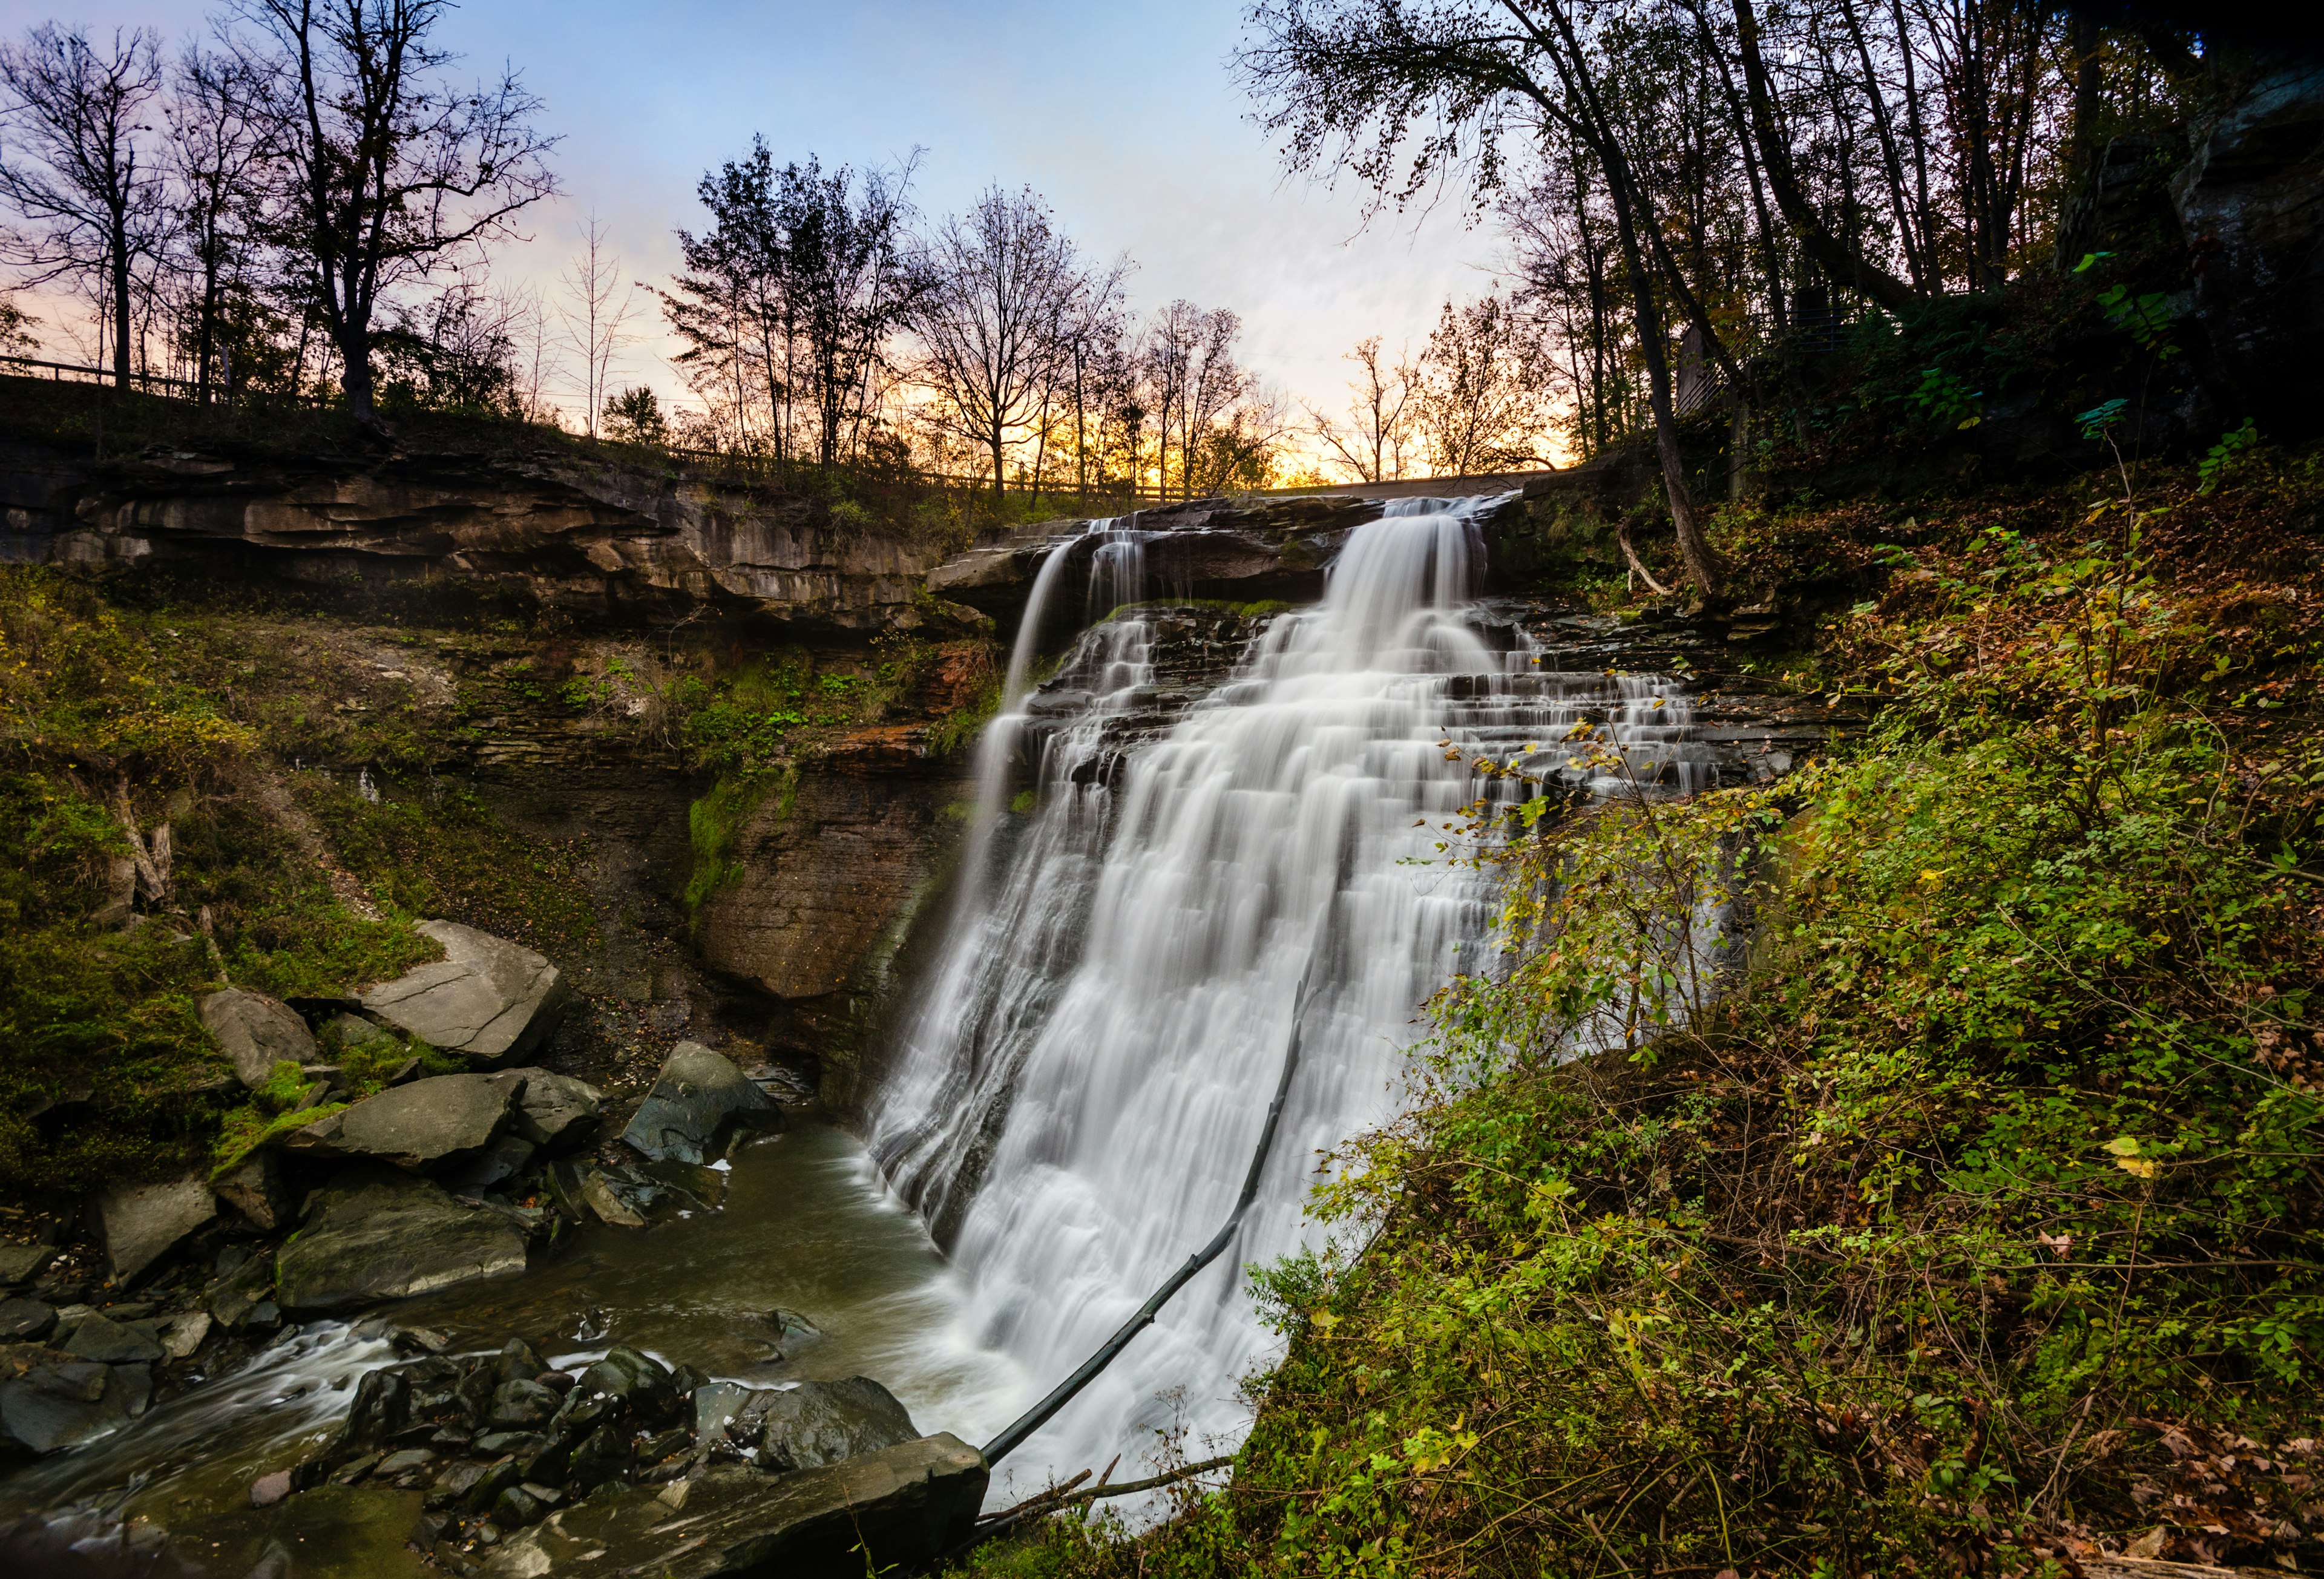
1123 116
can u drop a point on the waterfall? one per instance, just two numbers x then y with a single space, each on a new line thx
1077 1097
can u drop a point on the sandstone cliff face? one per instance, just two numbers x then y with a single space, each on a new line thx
597 538
833 869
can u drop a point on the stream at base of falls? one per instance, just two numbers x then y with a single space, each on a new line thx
1206 825
807 1226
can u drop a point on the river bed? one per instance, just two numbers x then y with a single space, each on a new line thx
807 1226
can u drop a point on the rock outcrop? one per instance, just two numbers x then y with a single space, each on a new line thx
584 534
373 1233
257 1033
696 1106
2249 198
487 998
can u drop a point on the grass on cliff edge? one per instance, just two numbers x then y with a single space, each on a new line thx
115 718
1978 1227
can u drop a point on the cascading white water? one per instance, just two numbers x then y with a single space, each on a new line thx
1077 1100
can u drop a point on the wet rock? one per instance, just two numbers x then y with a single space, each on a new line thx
792 1328
900 1505
426 1125
517 1507
374 1234
818 1423
456 1482
597 1194
555 1111
257 1033
268 1490
698 1102
21 1263
521 1405
498 1475
602 1456
111 1342
254 1188
487 998
381 1409
46 1411
141 1223
639 1380
25 1320
704 1188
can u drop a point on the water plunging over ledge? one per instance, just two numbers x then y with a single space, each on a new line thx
1078 1096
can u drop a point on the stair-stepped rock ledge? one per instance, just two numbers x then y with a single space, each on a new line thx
599 539
1240 549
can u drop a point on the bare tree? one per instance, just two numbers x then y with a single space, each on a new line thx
1371 444
84 180
218 117
1479 405
597 309
995 316
389 171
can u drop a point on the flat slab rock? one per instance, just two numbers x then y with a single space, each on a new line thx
443 1120
901 1503
141 1223
372 1234
487 998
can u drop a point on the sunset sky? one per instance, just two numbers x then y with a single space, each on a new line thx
1123 116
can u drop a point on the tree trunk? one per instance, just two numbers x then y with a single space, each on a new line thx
1838 260
355 375
121 317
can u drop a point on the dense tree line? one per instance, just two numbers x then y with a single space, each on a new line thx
1736 176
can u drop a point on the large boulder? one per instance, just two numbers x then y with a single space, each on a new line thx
257 1033
432 1124
373 1233
555 1111
901 1505
818 1423
487 998
141 1223
696 1106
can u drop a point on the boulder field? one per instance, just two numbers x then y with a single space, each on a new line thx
427 1183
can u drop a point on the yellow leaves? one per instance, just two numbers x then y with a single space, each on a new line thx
2125 1150
1932 878
1324 1320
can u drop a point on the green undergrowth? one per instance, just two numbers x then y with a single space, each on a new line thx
146 747
715 823
1973 1221
434 848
